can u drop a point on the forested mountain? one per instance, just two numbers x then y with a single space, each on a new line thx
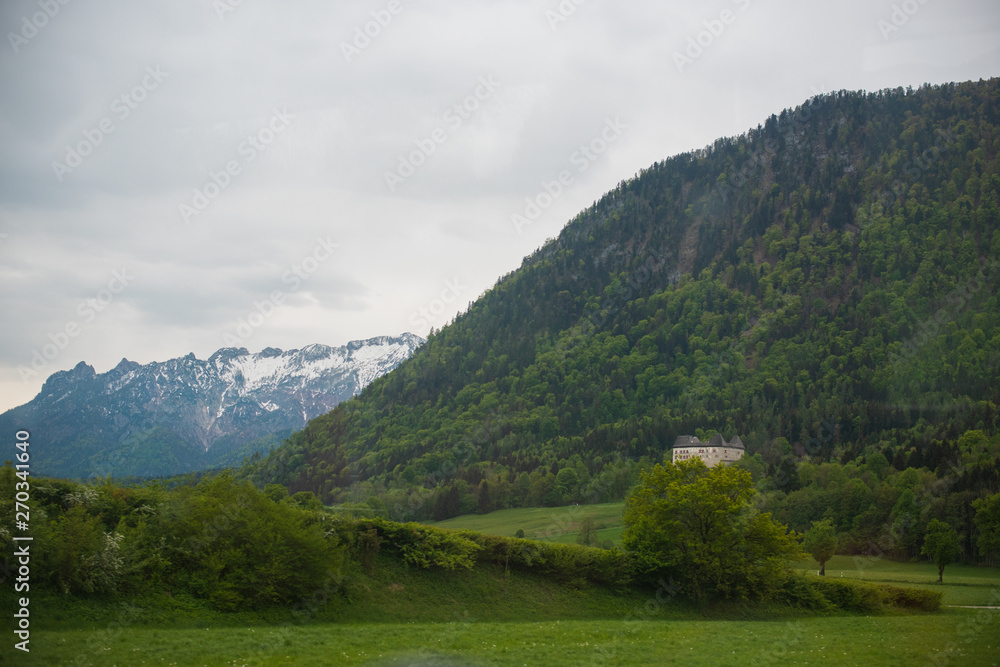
824 286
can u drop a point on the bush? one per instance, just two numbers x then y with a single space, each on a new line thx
70 553
911 598
824 594
423 546
427 546
563 562
230 544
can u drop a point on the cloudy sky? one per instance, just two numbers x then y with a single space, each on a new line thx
182 176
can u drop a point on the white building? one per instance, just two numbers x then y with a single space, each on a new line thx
712 453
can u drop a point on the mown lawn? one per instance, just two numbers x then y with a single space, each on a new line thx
955 637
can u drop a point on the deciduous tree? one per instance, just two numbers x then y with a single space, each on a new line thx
821 543
699 525
941 545
988 523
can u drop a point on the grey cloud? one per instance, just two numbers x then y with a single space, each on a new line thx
324 175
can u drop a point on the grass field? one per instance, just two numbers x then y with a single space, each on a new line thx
955 637
399 615
963 585
403 616
546 524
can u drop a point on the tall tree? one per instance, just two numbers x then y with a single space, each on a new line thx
988 523
588 532
821 543
941 545
485 502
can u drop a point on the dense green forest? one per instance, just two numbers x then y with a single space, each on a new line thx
824 286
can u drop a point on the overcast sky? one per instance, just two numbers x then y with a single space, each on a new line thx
187 175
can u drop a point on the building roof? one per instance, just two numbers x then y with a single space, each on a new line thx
716 441
686 441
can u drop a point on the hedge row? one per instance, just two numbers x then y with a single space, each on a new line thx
427 546
827 595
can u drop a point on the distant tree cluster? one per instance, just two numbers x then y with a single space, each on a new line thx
867 506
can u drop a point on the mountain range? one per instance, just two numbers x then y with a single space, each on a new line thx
188 414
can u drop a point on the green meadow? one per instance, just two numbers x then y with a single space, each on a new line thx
962 585
956 637
545 524
401 615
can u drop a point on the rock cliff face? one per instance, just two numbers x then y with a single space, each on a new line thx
188 414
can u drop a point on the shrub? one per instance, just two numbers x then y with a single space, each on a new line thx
825 594
230 544
423 546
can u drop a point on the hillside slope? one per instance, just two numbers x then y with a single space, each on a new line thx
823 283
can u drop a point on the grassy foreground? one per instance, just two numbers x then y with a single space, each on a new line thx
955 637
400 615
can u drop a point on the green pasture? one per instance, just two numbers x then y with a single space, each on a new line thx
400 615
963 585
954 637
546 524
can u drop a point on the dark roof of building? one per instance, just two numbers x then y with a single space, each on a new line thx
686 441
717 440
736 442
